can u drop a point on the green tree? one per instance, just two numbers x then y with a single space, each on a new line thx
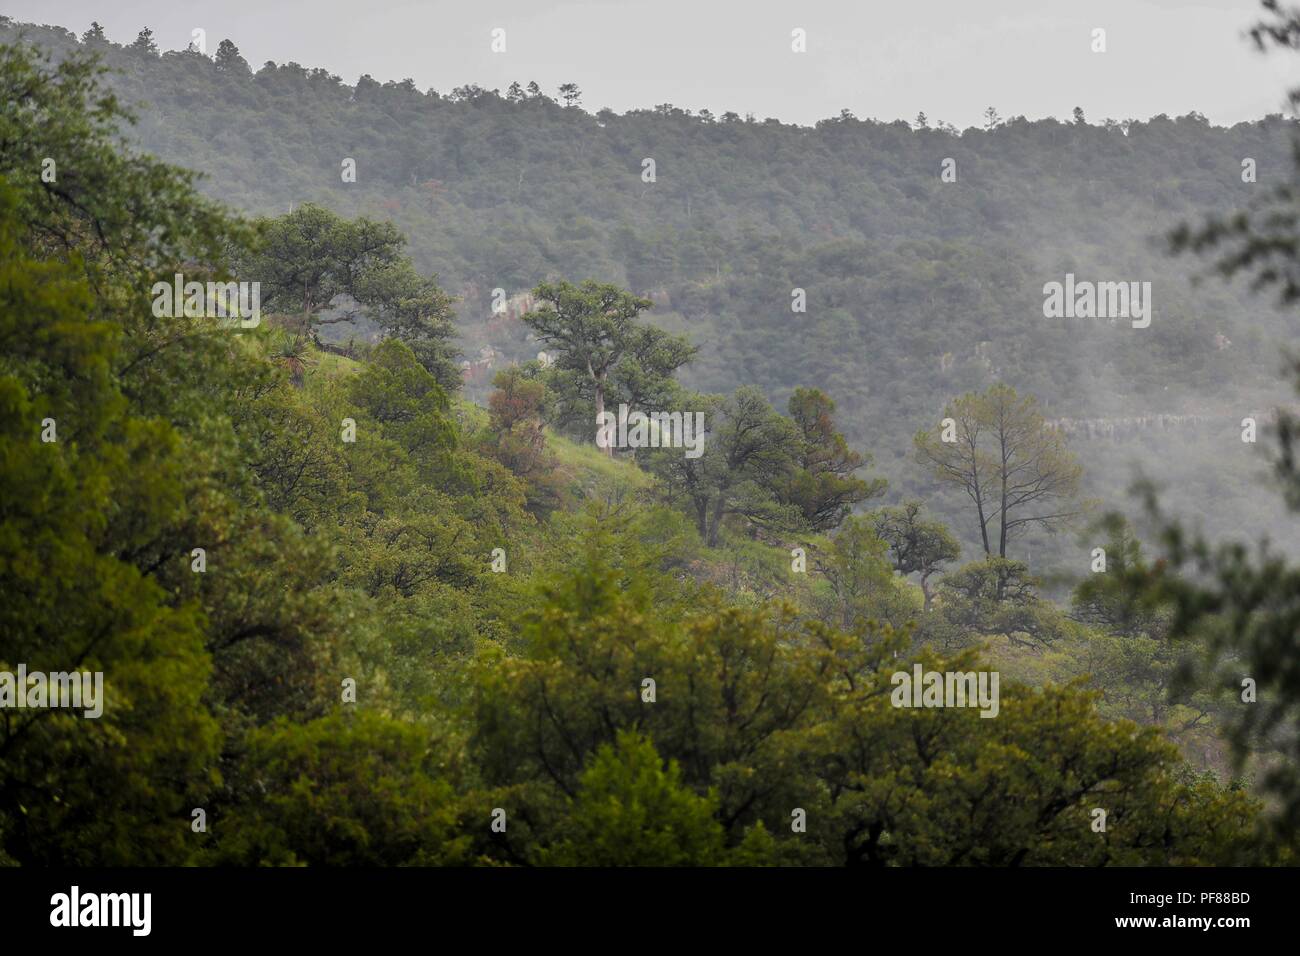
229 60
825 487
111 788
946 787
916 545
1139 672
861 581
311 262
355 790
996 597
631 810
750 453
1016 471
1240 606
144 43
570 93
397 391
763 710
95 35
516 437
594 331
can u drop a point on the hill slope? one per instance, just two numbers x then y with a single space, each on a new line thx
917 289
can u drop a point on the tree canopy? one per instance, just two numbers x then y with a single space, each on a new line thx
346 616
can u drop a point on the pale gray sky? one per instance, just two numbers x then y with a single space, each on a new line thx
886 59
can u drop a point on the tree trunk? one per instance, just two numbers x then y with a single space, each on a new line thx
984 527
1002 540
1002 518
1002 514
715 525
600 412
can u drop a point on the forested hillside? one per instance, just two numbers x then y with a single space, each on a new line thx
357 600
917 290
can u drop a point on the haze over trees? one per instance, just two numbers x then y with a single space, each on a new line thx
918 290
353 614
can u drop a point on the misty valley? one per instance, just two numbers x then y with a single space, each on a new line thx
465 473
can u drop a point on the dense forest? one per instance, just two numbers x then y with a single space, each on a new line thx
365 590
917 290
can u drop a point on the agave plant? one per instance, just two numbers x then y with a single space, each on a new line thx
293 353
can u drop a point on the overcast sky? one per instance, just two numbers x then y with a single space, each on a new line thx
886 59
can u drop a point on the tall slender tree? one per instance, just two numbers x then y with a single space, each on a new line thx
997 448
